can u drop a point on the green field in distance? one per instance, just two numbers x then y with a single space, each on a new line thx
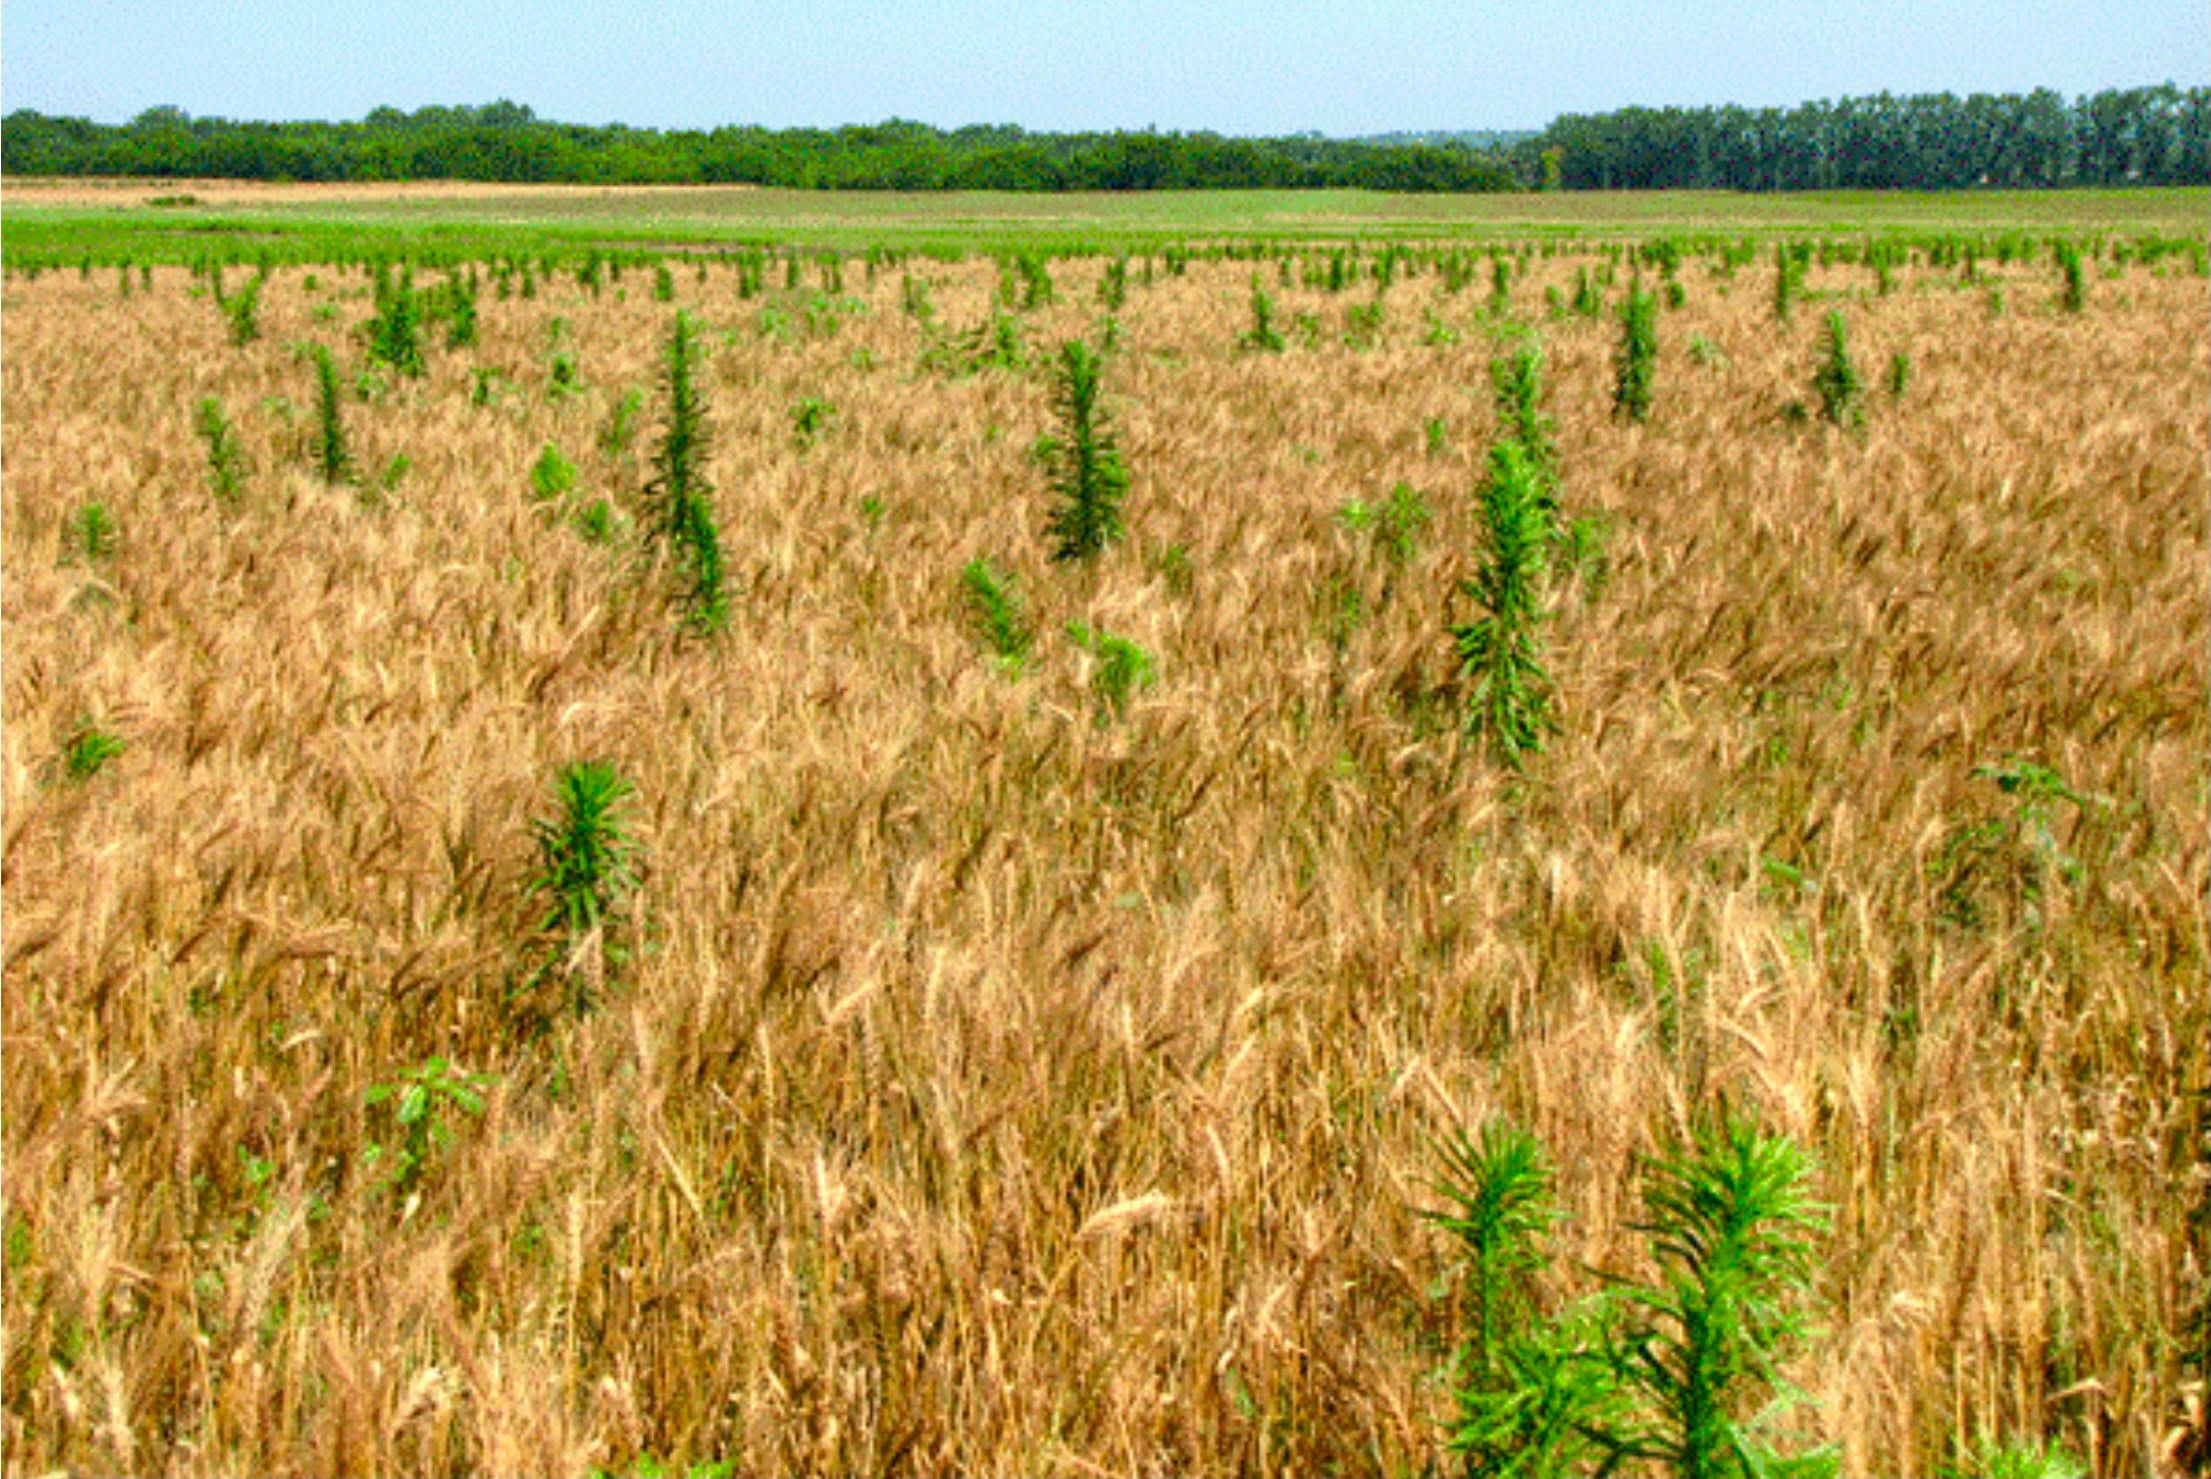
58 222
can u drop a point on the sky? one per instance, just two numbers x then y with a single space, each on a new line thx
1255 67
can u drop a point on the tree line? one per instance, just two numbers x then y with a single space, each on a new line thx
2138 136
1930 141
507 142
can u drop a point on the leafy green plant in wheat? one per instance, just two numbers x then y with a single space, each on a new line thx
2074 297
1363 325
1517 380
1036 281
1123 668
457 306
242 310
811 418
88 750
1730 1223
1900 375
421 1099
998 345
2014 856
2021 1460
1534 1398
1500 651
1836 382
394 333
1636 366
1084 462
998 614
678 496
1500 1191
226 460
914 299
621 425
1589 298
1262 336
1677 1373
1396 524
552 476
89 535
333 457
586 873
994 343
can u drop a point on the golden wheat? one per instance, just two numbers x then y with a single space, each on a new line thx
996 1091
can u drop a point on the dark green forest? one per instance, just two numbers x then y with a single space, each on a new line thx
1929 141
2140 136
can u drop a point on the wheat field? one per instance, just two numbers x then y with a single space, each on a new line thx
988 1084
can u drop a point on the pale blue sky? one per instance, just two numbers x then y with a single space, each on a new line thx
1235 66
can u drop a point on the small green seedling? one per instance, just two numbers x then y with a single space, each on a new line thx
596 522
552 476
621 427
89 534
810 419
88 751
1122 668
1396 524
421 1098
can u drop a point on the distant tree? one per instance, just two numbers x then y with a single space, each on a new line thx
2148 135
